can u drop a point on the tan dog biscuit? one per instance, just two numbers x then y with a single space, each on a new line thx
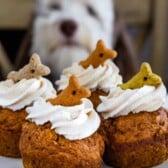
99 55
72 95
33 69
144 77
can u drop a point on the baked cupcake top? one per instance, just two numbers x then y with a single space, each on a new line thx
144 92
97 71
71 114
25 86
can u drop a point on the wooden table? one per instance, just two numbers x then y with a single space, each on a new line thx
15 14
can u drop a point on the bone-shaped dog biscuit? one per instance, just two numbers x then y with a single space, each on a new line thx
144 77
72 95
33 69
99 55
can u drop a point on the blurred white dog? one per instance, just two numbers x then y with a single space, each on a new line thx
66 31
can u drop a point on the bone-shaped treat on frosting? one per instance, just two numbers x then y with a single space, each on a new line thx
33 69
144 77
72 95
99 55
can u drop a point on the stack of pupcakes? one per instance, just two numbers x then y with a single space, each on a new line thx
94 117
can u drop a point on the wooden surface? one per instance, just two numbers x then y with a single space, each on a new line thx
136 12
160 37
15 14
5 64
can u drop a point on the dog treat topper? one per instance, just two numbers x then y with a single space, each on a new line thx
99 55
72 94
33 69
144 77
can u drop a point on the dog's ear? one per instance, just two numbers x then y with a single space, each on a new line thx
123 44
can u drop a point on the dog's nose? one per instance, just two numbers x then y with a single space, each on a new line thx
68 27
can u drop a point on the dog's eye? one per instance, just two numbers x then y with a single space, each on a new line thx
55 6
91 11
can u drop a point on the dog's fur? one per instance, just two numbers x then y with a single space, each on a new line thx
93 20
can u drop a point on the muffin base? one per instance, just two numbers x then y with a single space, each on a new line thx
136 140
10 130
41 147
94 98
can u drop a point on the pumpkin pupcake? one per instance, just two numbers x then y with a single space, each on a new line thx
16 93
97 73
62 132
135 125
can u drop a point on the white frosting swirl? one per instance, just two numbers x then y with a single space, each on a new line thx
103 77
121 102
16 96
73 122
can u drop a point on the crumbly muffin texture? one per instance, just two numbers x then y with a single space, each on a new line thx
10 130
95 97
45 148
136 140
